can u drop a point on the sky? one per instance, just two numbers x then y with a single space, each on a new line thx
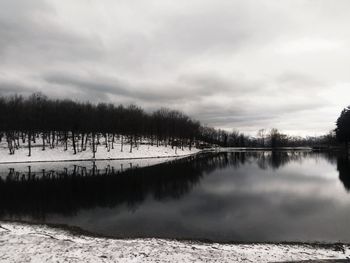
232 64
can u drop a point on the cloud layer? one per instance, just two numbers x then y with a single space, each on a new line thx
241 65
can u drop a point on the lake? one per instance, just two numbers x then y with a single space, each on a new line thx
225 197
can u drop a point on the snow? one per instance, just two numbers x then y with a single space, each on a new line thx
39 243
59 154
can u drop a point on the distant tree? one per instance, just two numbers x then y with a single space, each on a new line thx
343 126
261 135
274 137
330 138
234 138
278 139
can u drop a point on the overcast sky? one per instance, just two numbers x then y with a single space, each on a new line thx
241 65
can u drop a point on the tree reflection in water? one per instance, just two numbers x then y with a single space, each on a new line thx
343 166
65 192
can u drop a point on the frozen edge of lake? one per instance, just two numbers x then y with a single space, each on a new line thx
58 154
40 243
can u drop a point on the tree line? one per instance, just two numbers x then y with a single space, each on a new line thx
83 125
264 138
38 120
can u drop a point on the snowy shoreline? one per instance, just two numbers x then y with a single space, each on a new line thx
101 159
58 154
40 243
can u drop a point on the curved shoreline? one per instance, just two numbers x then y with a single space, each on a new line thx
60 155
78 231
40 243
103 159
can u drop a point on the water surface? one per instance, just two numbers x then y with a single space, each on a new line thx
233 196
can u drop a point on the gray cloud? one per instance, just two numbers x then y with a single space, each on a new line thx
8 88
185 88
29 34
236 64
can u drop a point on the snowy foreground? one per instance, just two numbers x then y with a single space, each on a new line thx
59 154
36 243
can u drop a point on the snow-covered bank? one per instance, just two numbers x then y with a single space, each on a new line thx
36 243
59 154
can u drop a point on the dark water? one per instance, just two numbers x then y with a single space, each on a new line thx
252 196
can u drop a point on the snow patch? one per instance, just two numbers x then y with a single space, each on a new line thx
37 243
59 154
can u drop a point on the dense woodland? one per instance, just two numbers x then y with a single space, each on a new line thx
85 125
34 120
